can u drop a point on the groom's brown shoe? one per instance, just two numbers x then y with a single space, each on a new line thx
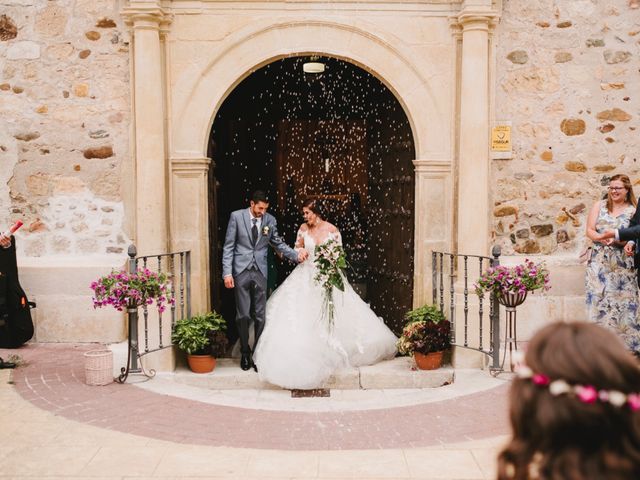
245 361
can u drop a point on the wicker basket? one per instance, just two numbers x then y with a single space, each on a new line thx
98 367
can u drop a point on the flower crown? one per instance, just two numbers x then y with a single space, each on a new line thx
584 393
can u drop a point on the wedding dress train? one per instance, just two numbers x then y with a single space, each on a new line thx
298 349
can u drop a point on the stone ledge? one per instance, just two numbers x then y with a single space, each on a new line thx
391 374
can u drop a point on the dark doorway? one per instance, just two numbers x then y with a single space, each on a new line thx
340 136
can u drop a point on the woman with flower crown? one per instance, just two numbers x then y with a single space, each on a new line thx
574 408
315 322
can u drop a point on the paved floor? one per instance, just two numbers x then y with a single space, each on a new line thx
54 426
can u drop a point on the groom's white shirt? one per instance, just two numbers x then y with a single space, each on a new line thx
251 217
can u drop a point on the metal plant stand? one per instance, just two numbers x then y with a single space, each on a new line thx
133 353
510 300
177 267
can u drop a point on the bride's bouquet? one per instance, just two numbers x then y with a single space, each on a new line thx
330 261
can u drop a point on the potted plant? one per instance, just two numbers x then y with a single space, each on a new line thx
511 285
121 289
196 336
426 336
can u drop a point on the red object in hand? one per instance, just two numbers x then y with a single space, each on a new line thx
15 226
13 229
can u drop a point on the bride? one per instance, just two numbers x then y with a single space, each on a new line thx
298 349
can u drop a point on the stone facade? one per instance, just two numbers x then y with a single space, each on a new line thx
64 154
64 141
567 79
107 108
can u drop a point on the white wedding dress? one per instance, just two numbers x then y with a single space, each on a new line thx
298 350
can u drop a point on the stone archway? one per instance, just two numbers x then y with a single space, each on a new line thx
187 58
199 94
340 137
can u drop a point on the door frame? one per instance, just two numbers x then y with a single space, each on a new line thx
253 47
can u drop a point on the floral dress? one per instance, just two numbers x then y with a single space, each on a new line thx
611 285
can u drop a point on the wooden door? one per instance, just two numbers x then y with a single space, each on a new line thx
368 185
326 160
391 226
321 158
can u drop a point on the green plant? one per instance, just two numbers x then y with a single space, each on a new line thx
426 331
194 335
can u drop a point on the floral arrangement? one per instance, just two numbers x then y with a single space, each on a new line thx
426 331
120 289
522 278
330 262
584 393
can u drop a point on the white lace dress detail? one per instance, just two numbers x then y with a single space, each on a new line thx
298 350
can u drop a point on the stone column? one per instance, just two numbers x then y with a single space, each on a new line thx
433 221
146 20
474 162
148 23
190 223
472 30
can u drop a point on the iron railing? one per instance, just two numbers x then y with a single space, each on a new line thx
177 267
455 276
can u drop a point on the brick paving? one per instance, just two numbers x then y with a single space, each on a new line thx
53 380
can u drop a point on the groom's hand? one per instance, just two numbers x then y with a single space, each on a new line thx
629 248
228 281
302 255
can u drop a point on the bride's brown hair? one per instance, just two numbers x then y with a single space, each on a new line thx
314 205
559 437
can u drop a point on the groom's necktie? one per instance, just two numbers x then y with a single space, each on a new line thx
254 230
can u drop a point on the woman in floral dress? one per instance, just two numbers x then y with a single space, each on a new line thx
611 286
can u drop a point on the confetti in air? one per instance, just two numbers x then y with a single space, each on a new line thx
340 136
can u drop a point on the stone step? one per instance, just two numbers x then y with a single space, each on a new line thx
398 373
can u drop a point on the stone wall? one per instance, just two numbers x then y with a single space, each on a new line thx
64 134
64 157
567 77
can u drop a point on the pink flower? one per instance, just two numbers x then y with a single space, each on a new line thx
633 399
540 379
587 394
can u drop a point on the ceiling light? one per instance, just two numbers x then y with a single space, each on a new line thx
313 66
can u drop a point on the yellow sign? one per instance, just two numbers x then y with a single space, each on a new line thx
501 138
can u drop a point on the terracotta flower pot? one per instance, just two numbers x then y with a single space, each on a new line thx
201 363
429 361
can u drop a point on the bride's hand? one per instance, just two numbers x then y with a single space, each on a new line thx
302 255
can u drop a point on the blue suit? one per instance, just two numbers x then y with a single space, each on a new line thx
247 263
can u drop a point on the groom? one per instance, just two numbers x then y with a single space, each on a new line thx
244 266
631 235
